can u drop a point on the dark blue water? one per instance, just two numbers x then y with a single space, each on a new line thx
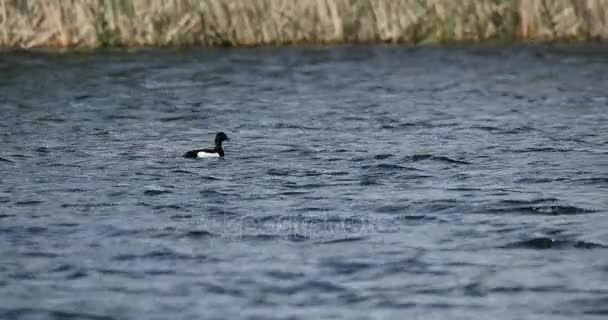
359 183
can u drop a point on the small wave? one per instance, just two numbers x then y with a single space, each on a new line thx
346 267
441 204
259 237
487 128
301 152
542 243
209 178
293 193
156 192
36 230
119 117
51 119
40 254
392 208
65 224
308 286
76 275
28 202
87 205
295 237
182 118
279 172
65 165
382 156
292 126
388 166
21 156
536 180
168 206
182 171
313 220
416 217
181 216
407 125
284 275
219 211
113 271
72 190
518 130
30 313
518 289
599 180
154 255
101 132
312 209
211 193
64 268
538 149
343 240
223 290
82 97
292 185
323 286
311 173
466 189
538 206
264 219
592 306
42 150
367 181
422 157
337 173
198 234
353 118
6 160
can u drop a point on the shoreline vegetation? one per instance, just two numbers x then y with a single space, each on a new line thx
173 23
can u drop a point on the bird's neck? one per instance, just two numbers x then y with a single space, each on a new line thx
218 149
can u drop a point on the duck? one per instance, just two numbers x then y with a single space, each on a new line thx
215 152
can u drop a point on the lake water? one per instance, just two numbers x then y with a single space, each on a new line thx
371 182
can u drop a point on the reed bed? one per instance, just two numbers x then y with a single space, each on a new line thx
136 23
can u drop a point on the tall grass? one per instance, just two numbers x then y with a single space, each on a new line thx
94 23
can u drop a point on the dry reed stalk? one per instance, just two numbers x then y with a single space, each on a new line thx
4 24
94 23
597 21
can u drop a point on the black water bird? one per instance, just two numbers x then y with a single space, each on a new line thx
215 152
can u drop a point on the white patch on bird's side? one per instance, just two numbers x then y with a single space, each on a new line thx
207 155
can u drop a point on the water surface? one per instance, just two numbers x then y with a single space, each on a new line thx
359 183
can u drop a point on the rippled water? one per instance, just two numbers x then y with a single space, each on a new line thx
359 182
